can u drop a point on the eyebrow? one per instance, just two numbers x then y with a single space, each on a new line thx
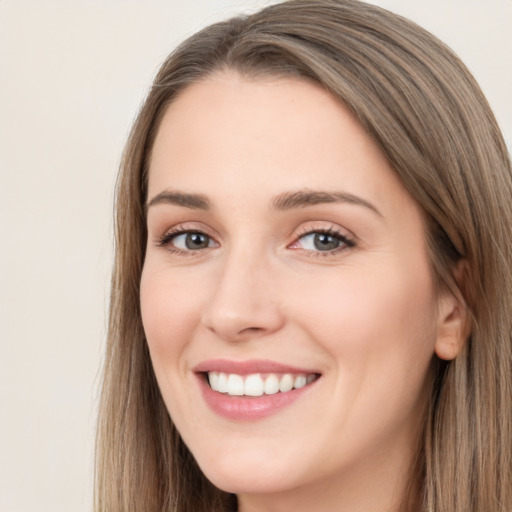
192 201
282 202
305 198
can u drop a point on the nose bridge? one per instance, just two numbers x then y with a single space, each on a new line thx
243 304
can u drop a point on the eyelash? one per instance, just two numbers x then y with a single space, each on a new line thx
345 242
166 239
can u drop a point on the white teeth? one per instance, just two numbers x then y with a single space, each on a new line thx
286 383
271 385
235 384
223 383
255 384
299 382
213 379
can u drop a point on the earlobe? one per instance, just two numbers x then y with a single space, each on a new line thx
452 329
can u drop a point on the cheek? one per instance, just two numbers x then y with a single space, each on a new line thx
171 307
379 329
170 310
368 310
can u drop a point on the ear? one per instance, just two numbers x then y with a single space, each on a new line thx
453 321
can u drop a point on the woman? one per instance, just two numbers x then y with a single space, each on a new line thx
312 290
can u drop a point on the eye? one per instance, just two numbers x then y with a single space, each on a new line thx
323 241
191 241
186 241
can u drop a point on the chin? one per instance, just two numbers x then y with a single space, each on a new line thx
249 474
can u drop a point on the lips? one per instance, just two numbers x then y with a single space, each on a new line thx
254 389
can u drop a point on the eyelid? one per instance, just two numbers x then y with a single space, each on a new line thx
322 227
347 239
165 240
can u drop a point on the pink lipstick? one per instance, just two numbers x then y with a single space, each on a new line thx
250 390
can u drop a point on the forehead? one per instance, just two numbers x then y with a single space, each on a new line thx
266 136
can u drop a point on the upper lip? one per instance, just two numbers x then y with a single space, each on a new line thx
248 367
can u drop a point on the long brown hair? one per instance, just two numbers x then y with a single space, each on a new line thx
424 109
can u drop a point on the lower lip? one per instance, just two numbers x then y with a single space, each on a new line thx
248 408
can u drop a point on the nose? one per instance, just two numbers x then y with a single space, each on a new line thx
244 303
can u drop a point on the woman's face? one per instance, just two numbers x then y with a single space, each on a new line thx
283 251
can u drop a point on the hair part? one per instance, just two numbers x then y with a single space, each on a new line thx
425 111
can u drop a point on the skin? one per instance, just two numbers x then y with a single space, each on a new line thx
366 316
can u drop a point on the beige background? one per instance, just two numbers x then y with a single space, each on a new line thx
72 75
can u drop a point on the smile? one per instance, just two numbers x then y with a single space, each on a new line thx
252 390
257 384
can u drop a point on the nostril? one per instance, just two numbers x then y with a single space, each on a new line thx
252 329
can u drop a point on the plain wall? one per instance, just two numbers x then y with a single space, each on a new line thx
72 76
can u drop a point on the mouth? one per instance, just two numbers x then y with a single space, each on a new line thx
257 384
251 390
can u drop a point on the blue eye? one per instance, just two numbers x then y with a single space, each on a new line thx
319 241
191 241
187 241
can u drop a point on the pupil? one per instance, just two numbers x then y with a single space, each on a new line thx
325 242
196 241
